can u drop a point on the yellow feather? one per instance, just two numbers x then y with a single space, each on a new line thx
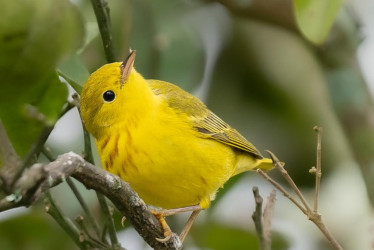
165 142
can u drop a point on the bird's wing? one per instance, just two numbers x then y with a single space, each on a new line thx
205 121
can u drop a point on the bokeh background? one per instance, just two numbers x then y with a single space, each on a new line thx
248 61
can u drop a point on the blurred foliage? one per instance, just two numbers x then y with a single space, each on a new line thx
261 76
33 231
34 36
214 236
315 17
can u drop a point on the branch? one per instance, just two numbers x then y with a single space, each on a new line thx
40 178
7 151
312 215
101 10
317 171
77 194
263 220
52 209
36 148
268 216
11 161
257 218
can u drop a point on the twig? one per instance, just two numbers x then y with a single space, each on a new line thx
108 219
155 41
52 209
83 205
87 146
312 215
282 190
288 178
85 235
317 171
257 218
11 161
7 151
38 145
267 218
35 149
103 204
263 220
101 10
77 194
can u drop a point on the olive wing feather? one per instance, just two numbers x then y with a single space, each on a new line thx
205 121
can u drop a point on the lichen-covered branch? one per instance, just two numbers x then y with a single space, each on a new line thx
267 218
257 218
262 220
39 178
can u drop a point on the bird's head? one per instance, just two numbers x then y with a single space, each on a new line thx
107 92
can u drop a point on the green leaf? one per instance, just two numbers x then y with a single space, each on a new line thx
34 37
74 72
73 69
315 17
92 31
76 86
45 100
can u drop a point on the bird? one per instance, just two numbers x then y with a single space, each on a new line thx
165 142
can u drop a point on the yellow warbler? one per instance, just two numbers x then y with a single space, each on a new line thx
165 142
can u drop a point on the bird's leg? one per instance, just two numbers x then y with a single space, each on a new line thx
188 225
172 211
160 215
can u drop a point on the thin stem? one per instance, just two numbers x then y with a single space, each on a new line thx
290 181
108 218
155 41
257 218
37 147
11 161
86 235
317 220
267 218
7 151
103 204
83 205
101 10
77 194
88 156
312 215
318 172
282 190
69 228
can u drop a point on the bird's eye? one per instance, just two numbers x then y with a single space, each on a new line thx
109 96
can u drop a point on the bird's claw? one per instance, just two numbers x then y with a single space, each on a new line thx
123 221
166 239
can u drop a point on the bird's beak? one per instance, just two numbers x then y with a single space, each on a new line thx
127 66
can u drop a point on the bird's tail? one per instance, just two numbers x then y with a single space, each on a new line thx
265 164
247 163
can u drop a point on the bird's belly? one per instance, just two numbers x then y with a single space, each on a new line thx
174 171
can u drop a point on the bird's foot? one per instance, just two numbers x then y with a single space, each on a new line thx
161 214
